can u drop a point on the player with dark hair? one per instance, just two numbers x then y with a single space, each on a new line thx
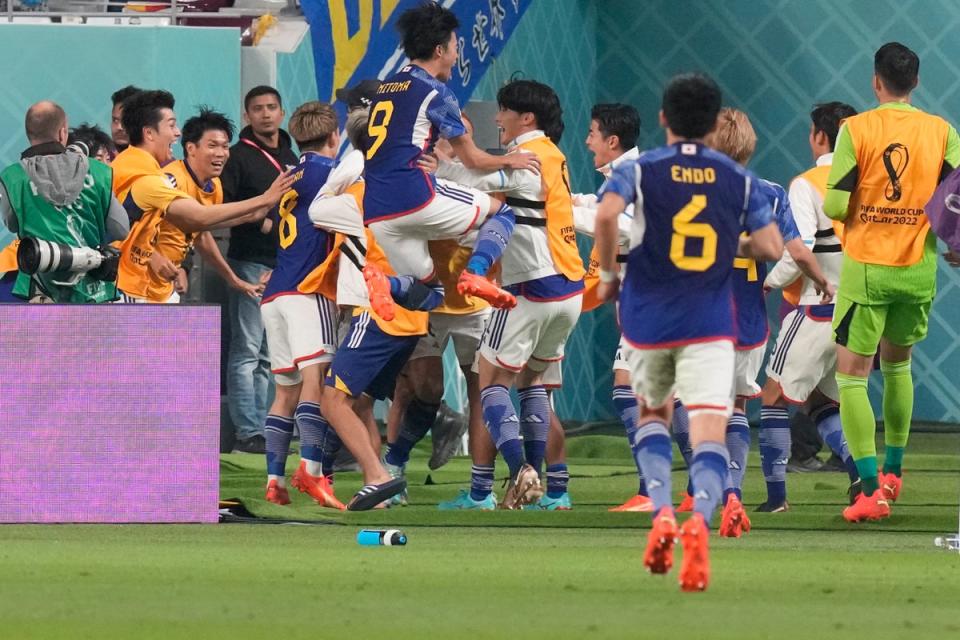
404 205
801 370
149 197
676 308
612 137
206 146
120 139
543 269
886 166
95 140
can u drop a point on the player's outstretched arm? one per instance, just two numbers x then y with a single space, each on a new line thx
192 217
207 247
765 243
473 157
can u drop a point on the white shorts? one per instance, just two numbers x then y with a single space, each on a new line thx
747 368
532 334
804 359
700 373
465 330
453 212
552 376
301 331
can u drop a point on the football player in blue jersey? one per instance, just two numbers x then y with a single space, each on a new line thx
300 317
691 205
735 137
406 206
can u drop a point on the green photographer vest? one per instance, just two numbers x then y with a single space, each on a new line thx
82 223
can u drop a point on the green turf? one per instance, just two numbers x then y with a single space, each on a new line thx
496 575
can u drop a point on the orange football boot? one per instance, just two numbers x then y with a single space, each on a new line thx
695 566
635 504
317 487
378 288
890 484
658 557
474 285
872 507
734 520
277 494
686 503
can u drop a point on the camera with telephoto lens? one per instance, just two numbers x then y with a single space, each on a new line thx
42 256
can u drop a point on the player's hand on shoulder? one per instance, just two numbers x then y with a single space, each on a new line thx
267 225
953 258
279 187
522 160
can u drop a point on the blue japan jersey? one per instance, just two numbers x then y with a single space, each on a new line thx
752 327
411 110
303 246
690 206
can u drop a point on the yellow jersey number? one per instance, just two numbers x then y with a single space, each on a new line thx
684 228
749 264
377 126
288 221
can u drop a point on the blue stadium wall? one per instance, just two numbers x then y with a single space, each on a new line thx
774 59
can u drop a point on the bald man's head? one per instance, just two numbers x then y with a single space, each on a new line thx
46 121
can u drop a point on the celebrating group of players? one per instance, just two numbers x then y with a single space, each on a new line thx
417 238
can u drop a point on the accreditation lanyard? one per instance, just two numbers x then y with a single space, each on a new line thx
266 155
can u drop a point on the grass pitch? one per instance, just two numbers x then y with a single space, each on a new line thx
493 575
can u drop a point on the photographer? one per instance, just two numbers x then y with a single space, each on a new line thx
55 199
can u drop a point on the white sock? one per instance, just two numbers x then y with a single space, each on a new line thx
281 481
313 467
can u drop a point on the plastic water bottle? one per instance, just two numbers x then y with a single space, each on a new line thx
385 537
948 542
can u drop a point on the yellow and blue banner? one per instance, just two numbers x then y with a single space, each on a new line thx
357 39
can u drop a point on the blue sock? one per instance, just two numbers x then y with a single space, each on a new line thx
534 423
738 446
417 420
412 294
313 429
331 447
501 420
625 402
775 451
278 432
708 470
557 479
492 240
827 419
481 481
681 434
653 452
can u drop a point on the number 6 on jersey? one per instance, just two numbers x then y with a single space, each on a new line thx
684 228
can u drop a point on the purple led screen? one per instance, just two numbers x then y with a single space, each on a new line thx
109 413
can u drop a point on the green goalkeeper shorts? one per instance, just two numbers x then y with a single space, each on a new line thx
859 327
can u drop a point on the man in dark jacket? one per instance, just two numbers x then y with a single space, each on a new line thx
263 152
